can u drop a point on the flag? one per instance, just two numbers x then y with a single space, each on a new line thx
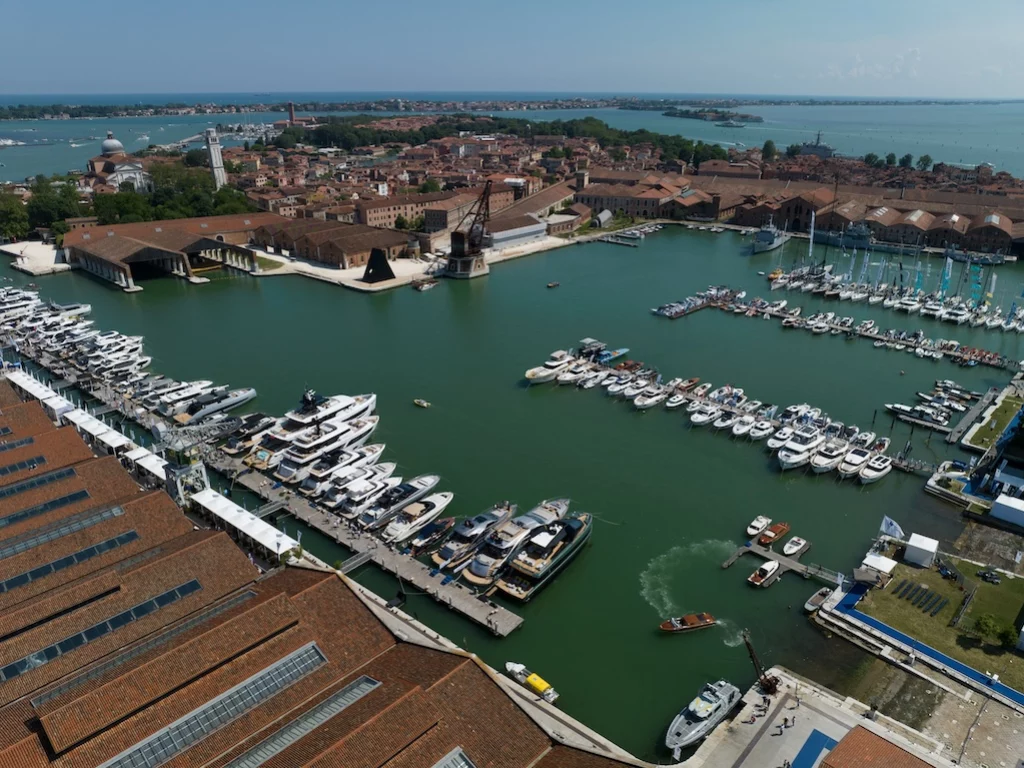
891 528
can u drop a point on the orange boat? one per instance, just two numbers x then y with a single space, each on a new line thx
689 384
689 622
774 534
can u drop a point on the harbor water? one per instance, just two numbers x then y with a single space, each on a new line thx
671 501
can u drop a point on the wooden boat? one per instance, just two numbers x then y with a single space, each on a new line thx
764 576
421 403
689 622
689 384
774 534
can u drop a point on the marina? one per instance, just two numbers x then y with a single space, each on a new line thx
492 435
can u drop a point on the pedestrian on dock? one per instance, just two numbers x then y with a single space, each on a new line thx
785 722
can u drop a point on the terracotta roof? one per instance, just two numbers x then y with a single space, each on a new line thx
8 396
860 748
210 226
992 219
22 419
47 451
506 223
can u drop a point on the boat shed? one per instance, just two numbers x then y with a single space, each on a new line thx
515 230
921 550
57 406
244 526
131 458
1009 509
602 219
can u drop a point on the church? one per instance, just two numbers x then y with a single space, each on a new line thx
113 167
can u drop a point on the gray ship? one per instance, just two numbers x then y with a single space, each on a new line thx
860 237
715 701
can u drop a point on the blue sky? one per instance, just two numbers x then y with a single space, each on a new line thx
868 48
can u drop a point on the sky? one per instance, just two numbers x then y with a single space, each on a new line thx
870 48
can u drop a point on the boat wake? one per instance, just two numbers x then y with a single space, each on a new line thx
733 634
657 578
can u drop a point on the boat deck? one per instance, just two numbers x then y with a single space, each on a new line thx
368 548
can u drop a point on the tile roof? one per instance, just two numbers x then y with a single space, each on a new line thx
8 396
861 748
205 225
47 451
22 419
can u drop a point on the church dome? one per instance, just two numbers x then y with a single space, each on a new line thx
112 146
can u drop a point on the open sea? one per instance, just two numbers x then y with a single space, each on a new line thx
956 133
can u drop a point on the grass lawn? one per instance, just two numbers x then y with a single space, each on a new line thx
1003 601
267 265
996 423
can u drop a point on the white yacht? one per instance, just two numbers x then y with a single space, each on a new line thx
705 414
854 462
650 397
799 449
324 471
416 516
780 438
395 500
207 405
758 525
830 456
351 477
320 440
574 374
761 430
743 425
712 705
878 466
176 402
558 363
503 542
361 495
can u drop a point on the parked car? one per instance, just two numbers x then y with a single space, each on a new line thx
990 576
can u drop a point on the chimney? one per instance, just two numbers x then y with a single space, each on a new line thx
291 113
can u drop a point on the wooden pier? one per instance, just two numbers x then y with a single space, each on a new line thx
972 416
807 571
369 548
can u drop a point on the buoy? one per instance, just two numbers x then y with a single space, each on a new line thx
903 373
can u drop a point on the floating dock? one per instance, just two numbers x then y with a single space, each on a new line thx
972 416
368 548
807 571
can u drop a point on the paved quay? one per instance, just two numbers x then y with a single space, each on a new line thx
367 548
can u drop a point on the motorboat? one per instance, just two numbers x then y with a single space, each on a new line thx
762 577
758 525
469 536
593 378
650 398
877 467
854 462
431 536
725 420
358 480
209 404
574 374
320 440
761 430
688 623
705 415
677 400
830 455
548 550
863 439
416 516
503 542
175 402
817 599
360 495
780 438
395 500
532 682
794 546
775 533
635 388
743 425
330 470
619 385
703 389
799 449
557 363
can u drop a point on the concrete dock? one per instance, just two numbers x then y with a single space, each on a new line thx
368 548
972 416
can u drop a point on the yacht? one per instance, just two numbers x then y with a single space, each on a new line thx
761 430
712 705
705 414
416 516
743 425
469 536
355 477
649 398
337 465
548 550
363 494
176 402
207 405
395 500
762 577
854 462
725 421
780 438
503 542
320 440
758 526
770 237
801 447
830 456
558 363
677 400
594 378
574 374
878 466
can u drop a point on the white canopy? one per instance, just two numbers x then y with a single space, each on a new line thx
58 406
152 464
76 417
114 439
30 386
237 518
879 563
135 454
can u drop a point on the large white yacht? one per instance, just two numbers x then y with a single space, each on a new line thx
320 440
830 455
799 449
323 472
416 516
352 477
559 362
175 402
395 500
502 543
854 462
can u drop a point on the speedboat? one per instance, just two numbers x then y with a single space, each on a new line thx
878 466
703 389
854 462
650 398
794 546
780 438
773 535
758 525
676 401
619 385
688 623
725 420
743 425
559 361
574 374
635 389
705 414
594 378
712 705
762 577
799 449
761 430
416 516
830 456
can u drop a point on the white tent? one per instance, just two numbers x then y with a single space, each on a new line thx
921 550
57 406
1009 508
879 563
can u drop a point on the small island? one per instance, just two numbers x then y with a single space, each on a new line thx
713 115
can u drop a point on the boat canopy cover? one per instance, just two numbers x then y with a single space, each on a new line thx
543 538
702 706
537 683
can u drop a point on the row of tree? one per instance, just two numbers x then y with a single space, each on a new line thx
924 162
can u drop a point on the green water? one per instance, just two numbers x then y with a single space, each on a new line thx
672 501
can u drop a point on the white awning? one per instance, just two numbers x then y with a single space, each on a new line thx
93 427
114 440
879 563
76 417
58 405
154 465
30 386
135 454
237 518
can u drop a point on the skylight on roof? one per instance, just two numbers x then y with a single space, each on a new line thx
992 218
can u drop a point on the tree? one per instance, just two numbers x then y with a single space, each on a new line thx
924 162
618 154
429 186
245 145
555 152
400 222
986 625
870 158
1009 636
890 159
793 150
13 218
768 151
907 160
418 223
51 203
195 158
